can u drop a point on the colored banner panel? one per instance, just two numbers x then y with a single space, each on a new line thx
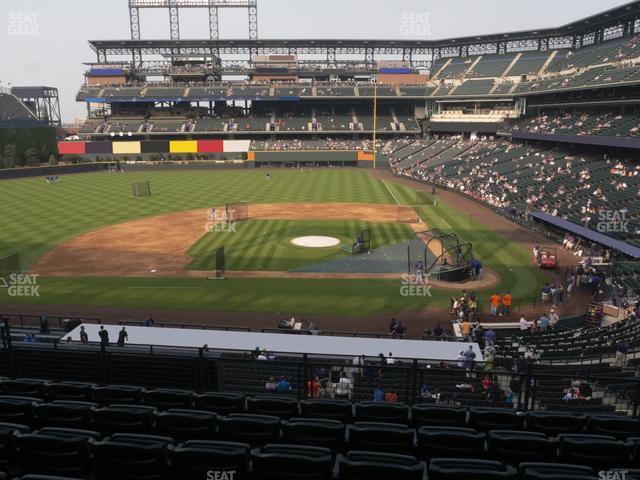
231 146
71 148
183 146
99 147
155 146
210 146
364 156
120 148
251 156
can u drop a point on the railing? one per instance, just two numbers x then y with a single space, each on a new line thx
524 386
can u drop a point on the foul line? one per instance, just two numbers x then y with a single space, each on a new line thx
394 197
447 223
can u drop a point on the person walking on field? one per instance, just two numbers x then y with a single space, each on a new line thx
506 304
495 303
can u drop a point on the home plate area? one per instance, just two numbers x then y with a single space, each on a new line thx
315 241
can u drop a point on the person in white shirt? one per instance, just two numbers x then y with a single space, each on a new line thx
524 325
343 388
390 359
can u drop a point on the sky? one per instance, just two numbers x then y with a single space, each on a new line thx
45 42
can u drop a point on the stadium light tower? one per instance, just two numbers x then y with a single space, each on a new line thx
174 7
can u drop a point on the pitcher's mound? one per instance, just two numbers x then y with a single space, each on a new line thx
315 241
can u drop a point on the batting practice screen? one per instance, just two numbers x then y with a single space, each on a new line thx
141 189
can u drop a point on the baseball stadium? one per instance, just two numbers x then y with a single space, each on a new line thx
285 258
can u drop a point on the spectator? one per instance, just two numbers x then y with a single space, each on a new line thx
313 388
490 336
271 385
438 332
465 329
506 304
621 353
84 338
553 319
390 396
390 359
149 322
122 337
104 336
524 324
495 303
344 387
378 394
44 325
283 385
543 322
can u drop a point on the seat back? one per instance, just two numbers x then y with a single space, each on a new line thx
165 398
220 403
485 419
554 424
183 425
341 410
426 415
382 412
459 468
451 442
124 419
358 465
117 394
193 459
53 454
292 462
248 428
381 437
281 407
314 432
514 447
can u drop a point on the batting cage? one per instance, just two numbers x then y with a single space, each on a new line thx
9 264
237 212
141 189
442 255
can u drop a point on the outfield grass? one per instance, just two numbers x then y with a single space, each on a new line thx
36 217
265 244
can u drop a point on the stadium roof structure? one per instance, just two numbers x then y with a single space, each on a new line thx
611 24
589 234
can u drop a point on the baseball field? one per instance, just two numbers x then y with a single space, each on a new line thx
93 244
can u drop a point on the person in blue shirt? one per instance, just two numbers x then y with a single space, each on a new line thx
490 337
283 385
378 394
543 322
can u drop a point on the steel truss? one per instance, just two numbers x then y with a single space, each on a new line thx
174 6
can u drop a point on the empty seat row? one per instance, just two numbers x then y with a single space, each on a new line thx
66 412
